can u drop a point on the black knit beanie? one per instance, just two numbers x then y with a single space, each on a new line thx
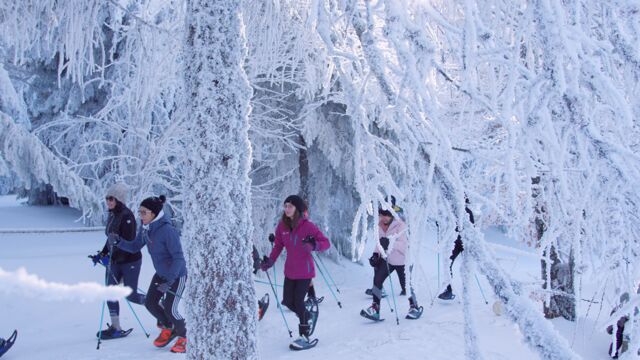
296 201
154 203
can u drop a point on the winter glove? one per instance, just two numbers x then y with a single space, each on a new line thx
384 242
99 258
165 286
375 260
309 243
266 263
272 239
457 249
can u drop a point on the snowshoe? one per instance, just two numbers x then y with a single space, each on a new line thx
5 345
313 315
307 303
263 305
303 343
414 313
447 294
372 313
112 333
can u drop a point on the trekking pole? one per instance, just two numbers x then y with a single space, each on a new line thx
266 283
278 301
272 239
131 307
104 302
392 292
136 316
133 311
438 252
328 273
480 287
388 302
106 282
326 282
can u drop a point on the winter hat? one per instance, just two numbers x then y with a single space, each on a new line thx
154 203
296 201
390 199
119 191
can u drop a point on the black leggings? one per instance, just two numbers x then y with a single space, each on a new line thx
293 297
380 275
167 314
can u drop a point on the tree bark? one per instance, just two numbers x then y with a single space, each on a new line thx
221 302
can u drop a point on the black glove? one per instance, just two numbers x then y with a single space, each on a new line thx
375 260
457 249
164 287
272 238
266 263
384 242
310 243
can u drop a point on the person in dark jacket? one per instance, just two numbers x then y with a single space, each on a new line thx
299 237
120 265
163 244
458 248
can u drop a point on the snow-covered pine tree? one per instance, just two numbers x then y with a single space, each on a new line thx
221 308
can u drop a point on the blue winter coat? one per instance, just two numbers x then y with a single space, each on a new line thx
163 243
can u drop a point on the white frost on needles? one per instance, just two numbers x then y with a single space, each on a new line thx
20 281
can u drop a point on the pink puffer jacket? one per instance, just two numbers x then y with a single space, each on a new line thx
397 235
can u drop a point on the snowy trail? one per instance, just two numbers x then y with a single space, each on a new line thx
57 329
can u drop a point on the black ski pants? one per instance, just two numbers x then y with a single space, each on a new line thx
382 271
128 274
167 314
293 295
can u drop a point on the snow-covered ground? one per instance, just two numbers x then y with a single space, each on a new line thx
64 328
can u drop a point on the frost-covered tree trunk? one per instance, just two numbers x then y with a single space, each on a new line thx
221 305
561 301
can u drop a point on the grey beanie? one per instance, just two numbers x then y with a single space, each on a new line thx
119 191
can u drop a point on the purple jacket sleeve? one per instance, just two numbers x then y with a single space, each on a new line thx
322 243
278 244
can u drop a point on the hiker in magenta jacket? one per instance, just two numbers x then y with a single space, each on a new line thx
300 237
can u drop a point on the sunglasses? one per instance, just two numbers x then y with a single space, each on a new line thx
110 198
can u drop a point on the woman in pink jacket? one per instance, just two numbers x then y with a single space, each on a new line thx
300 237
392 232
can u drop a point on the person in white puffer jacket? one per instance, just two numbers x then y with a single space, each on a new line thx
389 256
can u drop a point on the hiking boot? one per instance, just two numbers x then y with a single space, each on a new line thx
166 335
372 312
180 346
447 294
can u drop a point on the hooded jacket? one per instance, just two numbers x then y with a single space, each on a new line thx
163 244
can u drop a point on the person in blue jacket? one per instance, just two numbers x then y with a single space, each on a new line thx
167 284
